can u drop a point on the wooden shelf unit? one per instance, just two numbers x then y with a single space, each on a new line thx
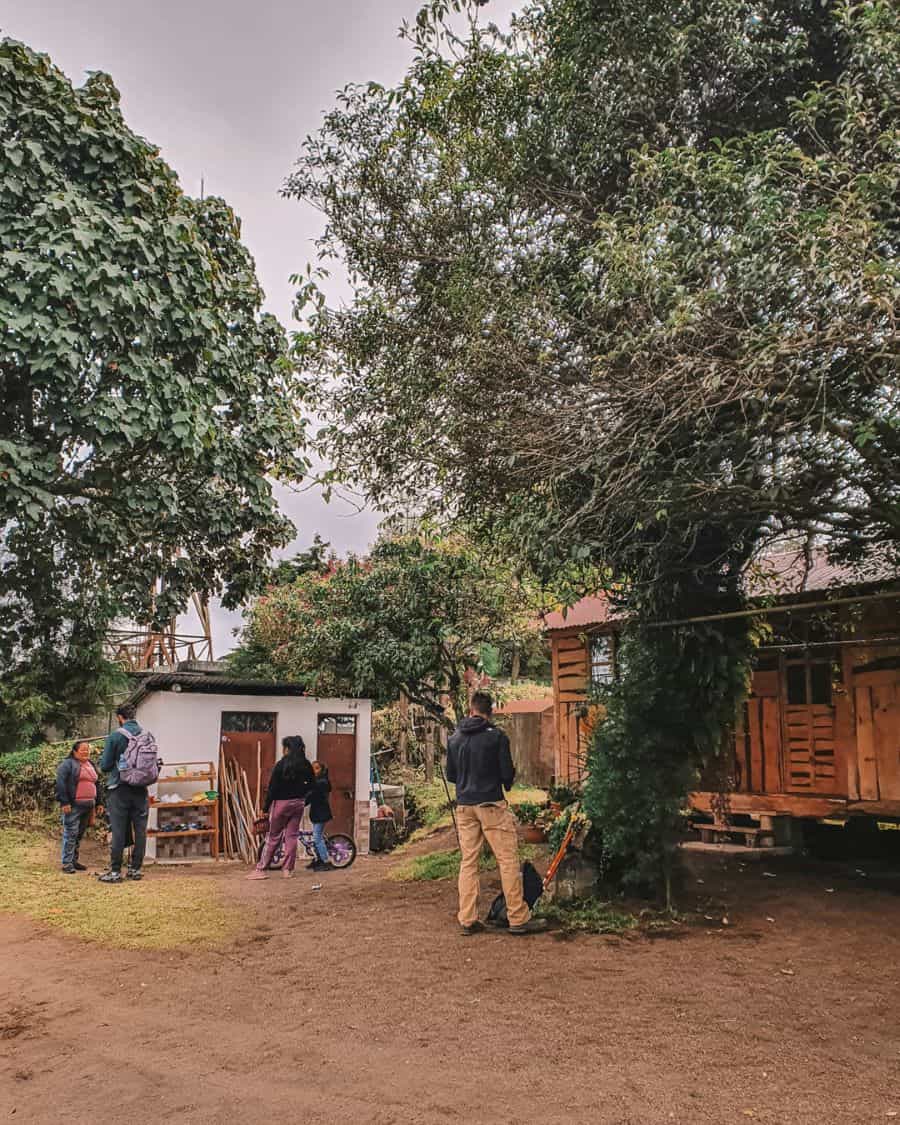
164 832
181 804
210 808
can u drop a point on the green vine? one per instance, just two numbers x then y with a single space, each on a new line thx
676 694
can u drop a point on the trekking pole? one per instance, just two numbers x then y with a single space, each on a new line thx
440 766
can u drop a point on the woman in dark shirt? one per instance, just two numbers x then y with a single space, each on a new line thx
290 784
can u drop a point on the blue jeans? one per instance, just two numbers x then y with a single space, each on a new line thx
74 827
319 841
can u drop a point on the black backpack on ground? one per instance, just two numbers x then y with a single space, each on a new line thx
532 889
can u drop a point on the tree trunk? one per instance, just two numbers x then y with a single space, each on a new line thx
516 662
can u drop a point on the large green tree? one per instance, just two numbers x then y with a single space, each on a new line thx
626 291
412 616
624 277
146 400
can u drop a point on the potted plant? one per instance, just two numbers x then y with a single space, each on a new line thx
528 814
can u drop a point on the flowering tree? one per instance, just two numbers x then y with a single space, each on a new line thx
410 617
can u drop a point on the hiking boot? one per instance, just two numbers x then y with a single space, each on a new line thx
476 928
311 866
532 926
323 866
79 866
111 877
133 873
69 869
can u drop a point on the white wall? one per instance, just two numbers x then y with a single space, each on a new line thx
187 728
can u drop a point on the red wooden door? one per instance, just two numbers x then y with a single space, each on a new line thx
336 749
248 738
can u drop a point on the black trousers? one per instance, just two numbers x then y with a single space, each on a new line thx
127 806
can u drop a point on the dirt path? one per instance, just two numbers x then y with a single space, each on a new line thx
360 1003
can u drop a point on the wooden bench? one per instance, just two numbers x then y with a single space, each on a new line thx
753 836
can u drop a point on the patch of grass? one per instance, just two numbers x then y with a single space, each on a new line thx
160 912
587 915
429 800
526 794
522 689
445 865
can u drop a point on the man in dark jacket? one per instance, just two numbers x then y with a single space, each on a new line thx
480 763
127 805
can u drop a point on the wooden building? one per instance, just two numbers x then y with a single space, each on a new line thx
582 655
213 717
530 725
818 736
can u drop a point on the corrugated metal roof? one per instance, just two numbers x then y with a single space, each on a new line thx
524 706
780 574
198 682
789 572
588 611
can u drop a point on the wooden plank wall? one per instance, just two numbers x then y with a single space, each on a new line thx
761 765
569 664
570 668
533 752
877 700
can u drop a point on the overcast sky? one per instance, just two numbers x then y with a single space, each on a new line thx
228 89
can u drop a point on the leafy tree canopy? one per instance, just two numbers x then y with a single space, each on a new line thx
410 617
625 280
146 401
252 658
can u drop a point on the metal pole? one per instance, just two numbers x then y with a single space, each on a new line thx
440 766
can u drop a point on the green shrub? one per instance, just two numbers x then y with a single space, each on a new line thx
563 795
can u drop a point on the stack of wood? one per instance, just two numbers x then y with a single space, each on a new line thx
239 810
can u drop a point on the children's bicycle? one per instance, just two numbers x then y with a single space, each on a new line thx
341 849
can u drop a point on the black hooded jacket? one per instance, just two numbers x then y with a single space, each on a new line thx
317 801
479 762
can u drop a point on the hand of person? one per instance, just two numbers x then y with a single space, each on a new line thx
67 808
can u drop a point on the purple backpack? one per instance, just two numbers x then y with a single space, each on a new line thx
139 764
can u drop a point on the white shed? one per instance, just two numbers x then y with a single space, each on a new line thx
195 716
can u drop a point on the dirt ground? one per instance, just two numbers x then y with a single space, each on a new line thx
360 1003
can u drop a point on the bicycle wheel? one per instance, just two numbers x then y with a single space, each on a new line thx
277 860
341 850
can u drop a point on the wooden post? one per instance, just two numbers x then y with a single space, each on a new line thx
429 749
403 744
258 771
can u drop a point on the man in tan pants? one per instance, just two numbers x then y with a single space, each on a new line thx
480 763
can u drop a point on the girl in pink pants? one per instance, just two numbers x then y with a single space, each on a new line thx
291 782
